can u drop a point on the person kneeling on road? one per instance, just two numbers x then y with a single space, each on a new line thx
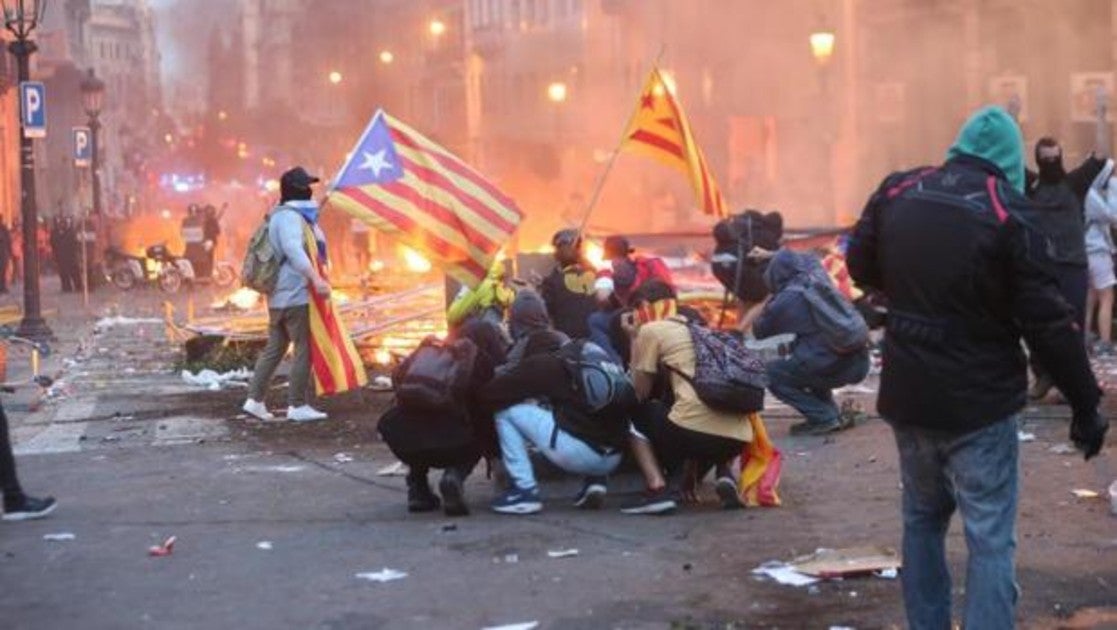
556 396
805 380
666 435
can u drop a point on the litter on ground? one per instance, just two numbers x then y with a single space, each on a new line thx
383 575
1085 494
166 549
343 458
213 381
264 545
1024 436
784 574
398 469
527 625
59 537
562 553
834 563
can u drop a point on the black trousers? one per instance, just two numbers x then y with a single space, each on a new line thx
674 444
9 483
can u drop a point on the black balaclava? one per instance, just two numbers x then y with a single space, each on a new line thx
568 247
293 192
1051 169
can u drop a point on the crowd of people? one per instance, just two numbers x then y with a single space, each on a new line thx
590 365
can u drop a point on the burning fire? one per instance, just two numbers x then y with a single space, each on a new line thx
382 357
243 298
376 266
414 260
595 254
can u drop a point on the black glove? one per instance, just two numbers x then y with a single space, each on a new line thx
1087 432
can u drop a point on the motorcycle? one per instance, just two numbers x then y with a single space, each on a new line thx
158 267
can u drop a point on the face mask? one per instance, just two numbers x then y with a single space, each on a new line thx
1051 170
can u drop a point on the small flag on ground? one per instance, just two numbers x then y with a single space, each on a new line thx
402 183
334 361
660 130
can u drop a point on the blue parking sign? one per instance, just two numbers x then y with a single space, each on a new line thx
83 146
33 109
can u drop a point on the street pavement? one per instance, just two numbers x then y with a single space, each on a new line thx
136 455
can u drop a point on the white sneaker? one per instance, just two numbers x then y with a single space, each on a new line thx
257 410
305 413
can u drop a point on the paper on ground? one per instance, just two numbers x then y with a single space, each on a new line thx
264 545
527 625
398 469
383 575
61 536
562 553
1085 494
1025 437
784 574
109 322
213 381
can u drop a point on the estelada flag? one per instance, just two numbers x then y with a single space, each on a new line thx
660 130
334 361
402 183
761 463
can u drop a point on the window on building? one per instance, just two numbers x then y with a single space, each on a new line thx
494 13
514 14
543 15
529 12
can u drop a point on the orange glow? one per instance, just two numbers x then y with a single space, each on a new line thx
437 27
595 254
382 357
414 260
376 266
386 57
335 77
822 46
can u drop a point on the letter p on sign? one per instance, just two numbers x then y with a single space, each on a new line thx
33 109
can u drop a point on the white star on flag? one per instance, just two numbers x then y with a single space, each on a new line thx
376 162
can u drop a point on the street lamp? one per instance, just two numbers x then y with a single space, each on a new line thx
437 27
20 18
822 46
386 57
92 101
557 92
335 77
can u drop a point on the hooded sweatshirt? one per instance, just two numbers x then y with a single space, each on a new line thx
286 226
965 278
1101 213
789 312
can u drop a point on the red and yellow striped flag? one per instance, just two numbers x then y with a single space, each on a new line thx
659 129
402 183
334 361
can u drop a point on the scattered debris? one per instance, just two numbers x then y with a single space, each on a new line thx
1085 494
383 575
213 381
842 628
343 458
166 549
108 322
511 558
264 545
381 383
562 553
834 563
1025 437
784 574
888 574
398 469
1062 449
280 469
527 625
450 527
59 537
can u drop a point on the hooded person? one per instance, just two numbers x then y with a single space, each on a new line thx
966 278
1101 218
288 303
806 378
535 403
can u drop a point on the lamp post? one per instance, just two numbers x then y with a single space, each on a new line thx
21 17
92 100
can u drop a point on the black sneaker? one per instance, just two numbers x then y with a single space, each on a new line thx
419 495
659 501
450 487
816 428
726 490
592 494
29 509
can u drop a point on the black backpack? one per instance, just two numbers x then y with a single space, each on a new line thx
603 393
734 238
728 377
436 376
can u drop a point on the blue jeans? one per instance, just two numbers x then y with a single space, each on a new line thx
528 422
977 474
810 392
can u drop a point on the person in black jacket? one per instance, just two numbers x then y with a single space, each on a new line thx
955 376
535 402
1056 212
568 290
18 506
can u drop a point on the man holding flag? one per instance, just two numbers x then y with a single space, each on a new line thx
289 304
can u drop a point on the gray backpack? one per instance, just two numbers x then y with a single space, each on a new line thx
260 271
843 327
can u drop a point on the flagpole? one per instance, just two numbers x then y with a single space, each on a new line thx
600 184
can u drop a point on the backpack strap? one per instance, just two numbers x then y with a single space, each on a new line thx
995 198
909 181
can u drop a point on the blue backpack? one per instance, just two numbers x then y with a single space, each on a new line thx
601 384
728 377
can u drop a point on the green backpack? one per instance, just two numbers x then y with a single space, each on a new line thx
260 271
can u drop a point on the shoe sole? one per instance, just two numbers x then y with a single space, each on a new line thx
530 507
268 418
453 504
29 516
665 506
593 499
727 492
